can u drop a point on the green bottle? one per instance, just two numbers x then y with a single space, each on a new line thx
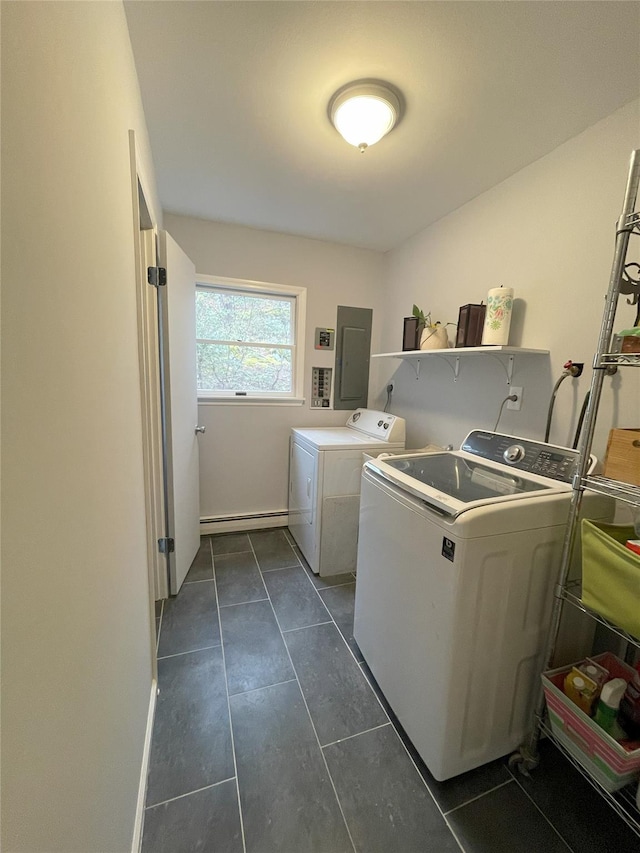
607 708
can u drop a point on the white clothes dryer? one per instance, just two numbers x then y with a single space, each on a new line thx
457 557
325 465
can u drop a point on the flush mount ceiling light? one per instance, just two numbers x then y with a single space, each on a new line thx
365 111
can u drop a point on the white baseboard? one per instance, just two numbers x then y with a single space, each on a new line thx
237 524
136 844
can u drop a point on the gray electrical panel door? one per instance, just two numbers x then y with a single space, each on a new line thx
353 351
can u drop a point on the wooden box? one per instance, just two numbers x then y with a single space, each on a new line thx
411 334
470 325
622 460
630 343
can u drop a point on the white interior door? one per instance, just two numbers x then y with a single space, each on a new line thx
178 359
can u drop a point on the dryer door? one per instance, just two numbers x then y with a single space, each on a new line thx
303 476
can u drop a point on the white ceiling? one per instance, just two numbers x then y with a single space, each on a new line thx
235 95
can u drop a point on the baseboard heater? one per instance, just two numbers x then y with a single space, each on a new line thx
250 521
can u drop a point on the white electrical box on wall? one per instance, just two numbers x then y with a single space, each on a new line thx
321 378
324 339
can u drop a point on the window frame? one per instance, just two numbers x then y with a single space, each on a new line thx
276 398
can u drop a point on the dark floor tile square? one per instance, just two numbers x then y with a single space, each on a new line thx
294 599
238 578
385 801
206 820
255 654
288 802
191 744
230 543
341 702
574 807
190 620
202 566
158 607
273 550
504 820
340 601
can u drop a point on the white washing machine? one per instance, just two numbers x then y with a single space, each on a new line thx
325 465
457 557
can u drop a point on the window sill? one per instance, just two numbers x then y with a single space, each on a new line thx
250 400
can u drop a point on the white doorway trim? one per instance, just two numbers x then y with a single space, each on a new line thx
144 228
149 360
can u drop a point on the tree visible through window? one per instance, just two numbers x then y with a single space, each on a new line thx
245 341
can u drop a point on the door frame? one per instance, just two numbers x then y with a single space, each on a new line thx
145 243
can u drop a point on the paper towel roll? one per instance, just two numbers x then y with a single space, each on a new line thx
498 316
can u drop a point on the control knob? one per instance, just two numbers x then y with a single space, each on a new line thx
514 453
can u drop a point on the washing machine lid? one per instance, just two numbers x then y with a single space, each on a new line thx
453 482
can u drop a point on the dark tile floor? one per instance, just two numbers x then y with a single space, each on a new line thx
270 734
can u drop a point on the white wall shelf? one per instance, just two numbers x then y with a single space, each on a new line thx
505 355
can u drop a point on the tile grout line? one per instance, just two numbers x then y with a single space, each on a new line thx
320 590
240 603
200 580
226 684
279 568
266 687
478 797
188 793
357 734
304 699
304 627
188 652
344 639
230 553
415 767
536 806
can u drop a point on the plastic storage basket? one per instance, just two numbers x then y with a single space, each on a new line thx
611 574
605 759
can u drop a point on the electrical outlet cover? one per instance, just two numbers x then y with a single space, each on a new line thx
515 405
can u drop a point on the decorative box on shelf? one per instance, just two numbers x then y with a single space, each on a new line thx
470 325
622 459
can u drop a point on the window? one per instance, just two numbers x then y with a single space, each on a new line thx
250 340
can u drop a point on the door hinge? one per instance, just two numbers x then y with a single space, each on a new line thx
166 545
157 276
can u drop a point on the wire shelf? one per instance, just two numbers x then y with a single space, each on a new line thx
626 492
623 801
619 359
572 594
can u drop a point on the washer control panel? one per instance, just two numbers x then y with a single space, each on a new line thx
546 460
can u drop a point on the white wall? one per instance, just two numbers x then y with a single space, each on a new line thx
76 650
548 232
244 453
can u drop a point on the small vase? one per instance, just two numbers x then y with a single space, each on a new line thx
434 337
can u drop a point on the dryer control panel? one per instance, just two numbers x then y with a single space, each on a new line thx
546 460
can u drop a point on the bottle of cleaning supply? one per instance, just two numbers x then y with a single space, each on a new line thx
594 671
608 705
581 690
630 706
